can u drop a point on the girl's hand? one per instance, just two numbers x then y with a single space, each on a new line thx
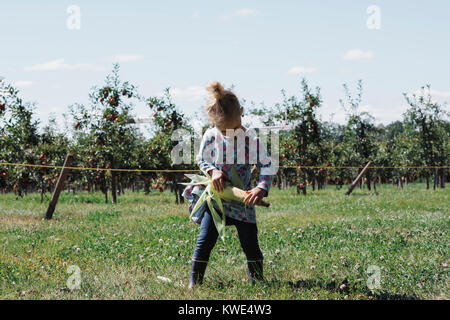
255 196
218 177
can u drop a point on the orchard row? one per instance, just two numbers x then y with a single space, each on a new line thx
100 136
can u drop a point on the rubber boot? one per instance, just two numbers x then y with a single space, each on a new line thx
255 271
197 272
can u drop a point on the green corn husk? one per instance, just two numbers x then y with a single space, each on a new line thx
229 193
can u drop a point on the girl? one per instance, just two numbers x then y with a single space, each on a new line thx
225 112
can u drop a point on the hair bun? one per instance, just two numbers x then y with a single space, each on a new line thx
216 89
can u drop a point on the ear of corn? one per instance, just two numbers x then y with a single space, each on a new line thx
229 193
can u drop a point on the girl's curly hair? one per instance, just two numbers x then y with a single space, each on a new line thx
223 105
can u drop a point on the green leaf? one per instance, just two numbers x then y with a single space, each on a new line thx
208 195
218 221
235 179
196 180
200 201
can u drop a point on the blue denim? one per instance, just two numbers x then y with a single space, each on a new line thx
248 236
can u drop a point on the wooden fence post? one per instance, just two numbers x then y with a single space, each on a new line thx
59 186
361 174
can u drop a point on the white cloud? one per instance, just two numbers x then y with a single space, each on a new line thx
245 12
195 15
440 94
301 70
436 95
382 114
60 64
189 94
23 84
358 55
121 58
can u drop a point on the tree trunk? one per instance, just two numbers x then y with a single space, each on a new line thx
104 186
279 180
113 182
113 187
174 189
42 194
302 188
369 180
427 179
442 178
180 190
436 179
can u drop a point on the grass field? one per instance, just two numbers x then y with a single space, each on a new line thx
316 247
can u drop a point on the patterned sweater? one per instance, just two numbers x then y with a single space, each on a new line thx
213 155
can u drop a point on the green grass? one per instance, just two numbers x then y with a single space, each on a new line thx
312 245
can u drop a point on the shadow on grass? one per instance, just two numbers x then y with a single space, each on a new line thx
332 287
343 288
364 194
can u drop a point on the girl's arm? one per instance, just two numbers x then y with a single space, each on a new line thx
264 164
206 155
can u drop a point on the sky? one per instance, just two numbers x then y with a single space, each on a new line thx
259 47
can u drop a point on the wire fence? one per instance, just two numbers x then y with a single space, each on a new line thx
197 170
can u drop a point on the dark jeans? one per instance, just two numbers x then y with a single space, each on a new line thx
248 236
